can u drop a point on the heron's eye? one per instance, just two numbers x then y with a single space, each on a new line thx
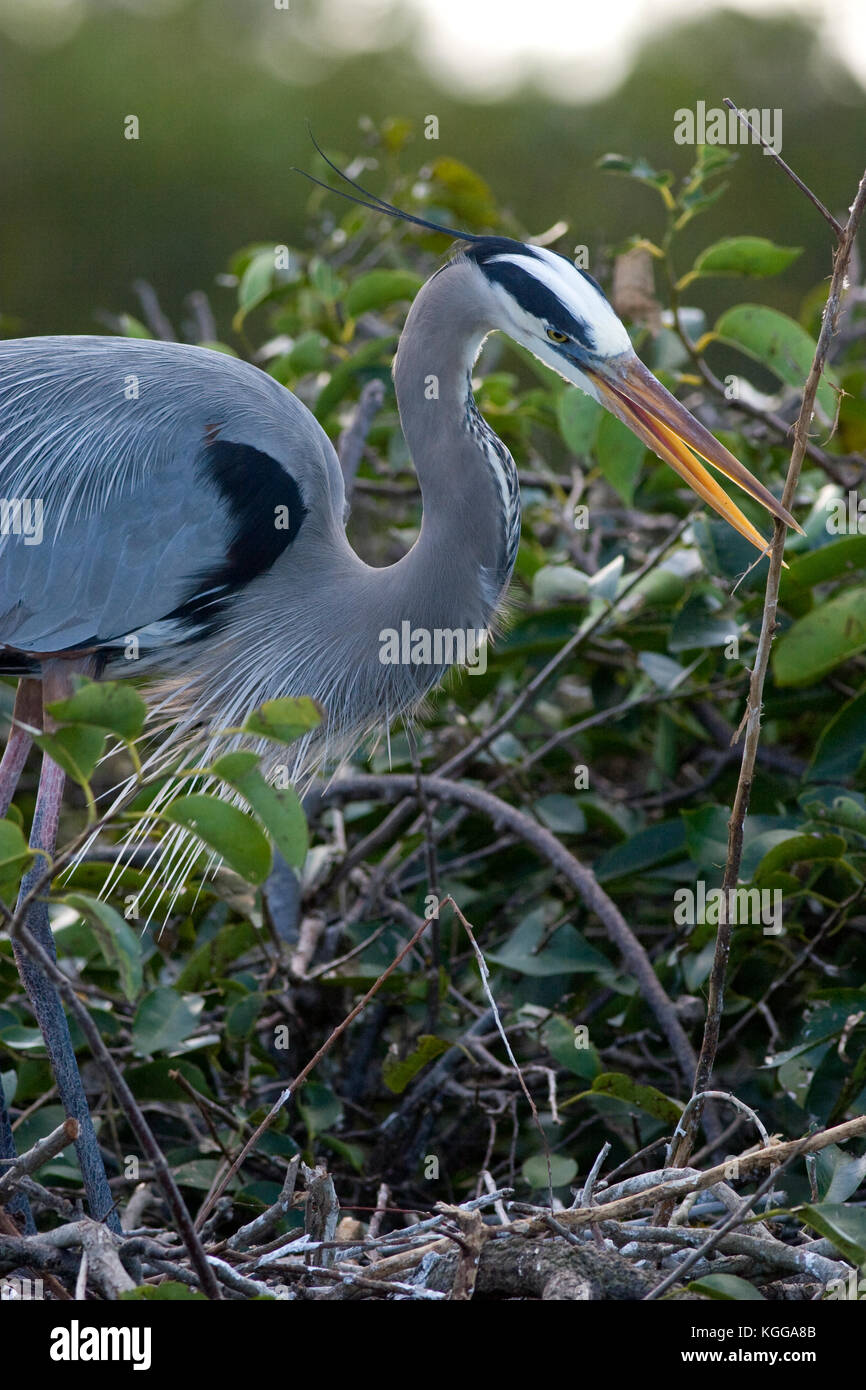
556 337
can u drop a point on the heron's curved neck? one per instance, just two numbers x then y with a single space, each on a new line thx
469 486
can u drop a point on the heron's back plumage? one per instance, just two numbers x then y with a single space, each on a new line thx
155 467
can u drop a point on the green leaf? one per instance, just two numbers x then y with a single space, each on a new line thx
841 744
566 954
151 1080
319 1108
559 1039
309 354
15 855
285 719
211 960
662 670
726 1286
779 343
555 583
325 280
707 835
844 1225
835 806
369 359
644 850
163 1021
131 327
463 191
562 1170
280 812
241 1018
825 1019
605 582
620 456
647 1098
114 706
839 1173
378 288
822 640
234 836
256 283
353 1153
198 1173
745 255
397 1073
119 944
561 814
845 556
20 1039
639 169
76 748
696 625
799 849
579 417
169 1291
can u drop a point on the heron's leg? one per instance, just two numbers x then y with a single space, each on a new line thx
28 710
43 994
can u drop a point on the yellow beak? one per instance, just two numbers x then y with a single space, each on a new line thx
630 392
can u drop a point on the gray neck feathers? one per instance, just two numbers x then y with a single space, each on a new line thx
336 608
468 479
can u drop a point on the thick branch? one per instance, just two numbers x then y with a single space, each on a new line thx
582 879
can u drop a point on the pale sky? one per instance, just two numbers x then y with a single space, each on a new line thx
576 49
575 46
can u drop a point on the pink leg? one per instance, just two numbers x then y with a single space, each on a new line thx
44 997
28 710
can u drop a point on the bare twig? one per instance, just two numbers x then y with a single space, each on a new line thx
813 197
484 970
41 1152
752 717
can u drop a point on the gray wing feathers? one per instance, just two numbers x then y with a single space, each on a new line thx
108 434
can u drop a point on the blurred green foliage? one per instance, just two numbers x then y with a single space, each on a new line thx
222 89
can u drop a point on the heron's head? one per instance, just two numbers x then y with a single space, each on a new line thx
560 313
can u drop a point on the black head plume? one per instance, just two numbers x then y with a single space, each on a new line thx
377 204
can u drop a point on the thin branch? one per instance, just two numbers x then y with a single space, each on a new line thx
41 1152
813 197
752 717
484 970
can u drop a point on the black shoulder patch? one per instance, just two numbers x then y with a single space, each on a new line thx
265 512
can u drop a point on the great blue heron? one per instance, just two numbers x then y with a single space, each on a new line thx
192 506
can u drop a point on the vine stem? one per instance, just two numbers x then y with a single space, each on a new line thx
751 721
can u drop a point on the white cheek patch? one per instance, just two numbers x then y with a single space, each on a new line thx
523 328
576 294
